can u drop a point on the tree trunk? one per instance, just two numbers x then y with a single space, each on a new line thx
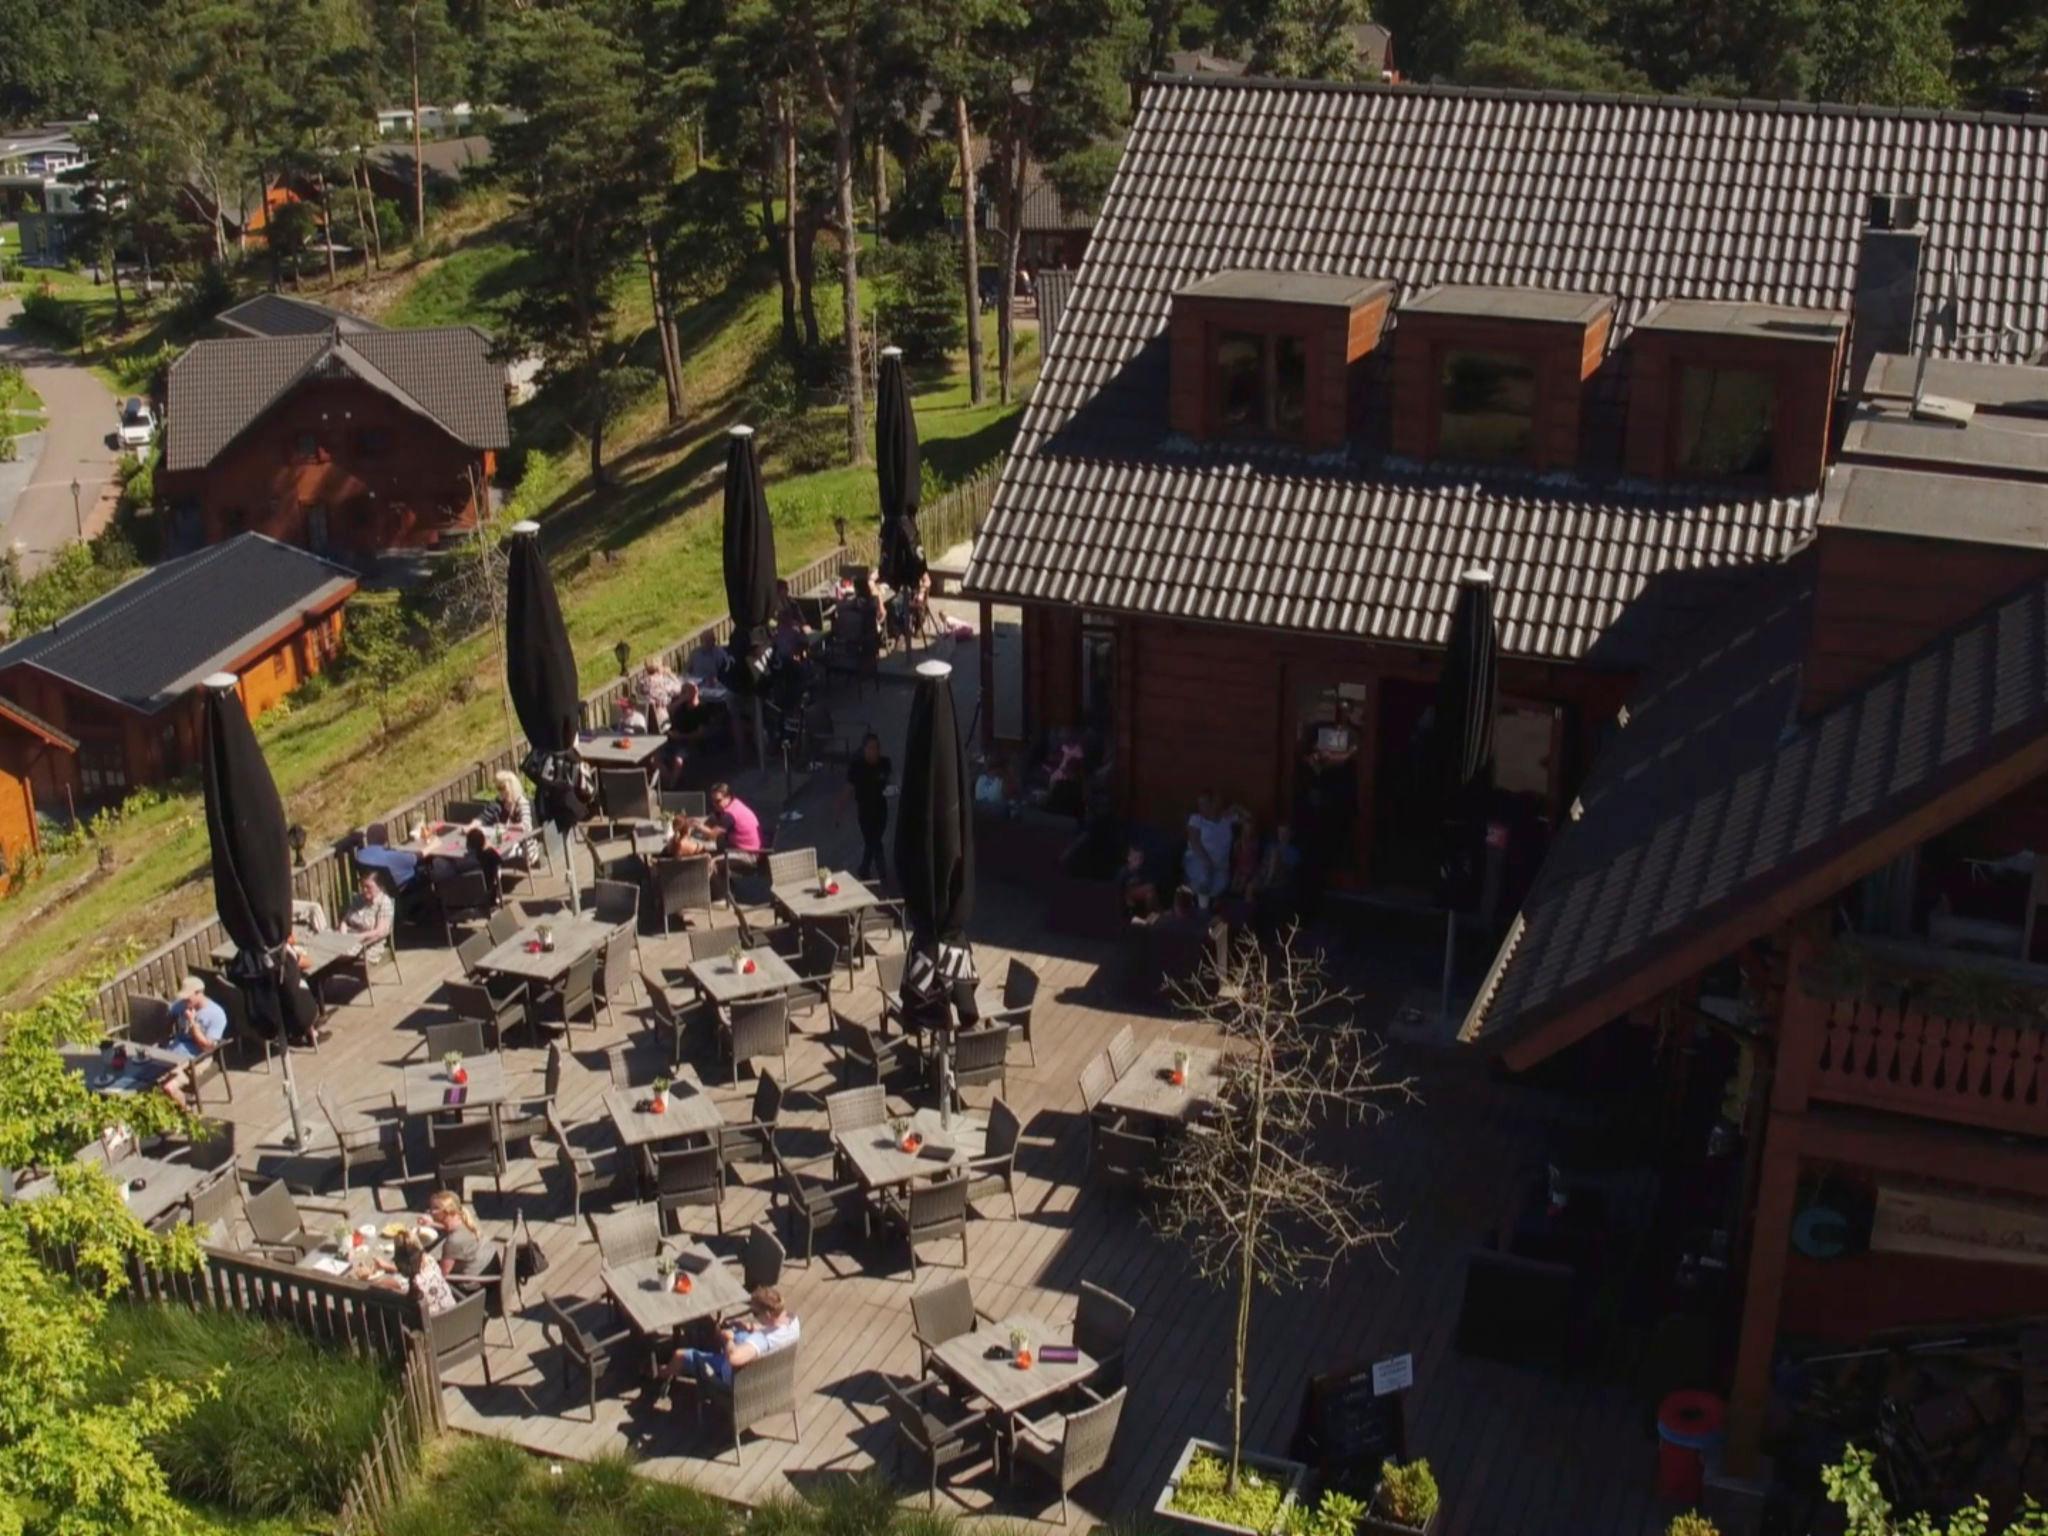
419 169
597 449
670 384
120 304
327 227
970 260
1006 302
881 189
806 281
148 274
365 220
790 268
849 269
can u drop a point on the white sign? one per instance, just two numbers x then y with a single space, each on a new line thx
1395 1375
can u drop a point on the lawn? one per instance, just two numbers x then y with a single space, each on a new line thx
21 408
469 286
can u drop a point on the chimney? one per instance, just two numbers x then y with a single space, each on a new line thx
1887 282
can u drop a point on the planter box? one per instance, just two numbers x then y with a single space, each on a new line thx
1377 1524
1293 1475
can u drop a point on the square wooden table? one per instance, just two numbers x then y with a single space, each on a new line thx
983 1363
690 1112
447 840
617 749
147 1066
722 982
427 1085
654 1308
800 900
324 951
1146 1091
164 1185
575 937
880 1162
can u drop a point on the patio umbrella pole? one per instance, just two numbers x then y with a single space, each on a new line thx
540 673
1443 1017
1467 698
297 1140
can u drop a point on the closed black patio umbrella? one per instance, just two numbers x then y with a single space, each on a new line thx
935 863
898 468
749 559
1467 699
540 669
252 866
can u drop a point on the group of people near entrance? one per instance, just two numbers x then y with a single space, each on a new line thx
1223 864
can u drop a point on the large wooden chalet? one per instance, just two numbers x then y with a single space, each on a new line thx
1773 754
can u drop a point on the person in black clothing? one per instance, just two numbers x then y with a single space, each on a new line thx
867 781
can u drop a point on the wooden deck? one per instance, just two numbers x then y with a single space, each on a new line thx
1515 1451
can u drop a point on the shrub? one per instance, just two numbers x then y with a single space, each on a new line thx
205 296
51 315
1408 1492
490 1488
289 1424
1204 1491
925 314
1691 1523
811 442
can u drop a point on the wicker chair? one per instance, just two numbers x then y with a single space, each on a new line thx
763 1390
458 1335
855 1109
605 1171
1123 1051
793 867
927 1213
628 801
861 1050
817 966
497 1284
463 898
1020 994
812 1201
576 995
525 1118
1097 1078
939 1432
277 1222
684 1176
464 1035
754 1136
1102 1325
678 887
1069 1448
466 1149
587 1341
942 1312
756 1027
617 904
1122 1157
503 927
668 1015
981 1057
481 1008
712 943
889 982
361 1133
681 802
616 974
996 1168
627 1236
762 1259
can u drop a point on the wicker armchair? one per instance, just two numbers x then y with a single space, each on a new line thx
942 1312
1122 1158
981 1057
503 927
762 1259
678 887
625 1237
927 1213
603 1171
754 1028
812 1201
1069 1448
996 1169
685 1176
457 1335
755 1136
1123 1051
759 1391
464 1036
1097 1078
793 867
940 1433
1102 1325
369 1129
590 1339
1020 994
863 1052
277 1222
465 1150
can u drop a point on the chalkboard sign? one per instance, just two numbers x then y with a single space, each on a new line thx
1347 1429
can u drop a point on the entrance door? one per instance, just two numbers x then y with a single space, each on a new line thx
316 527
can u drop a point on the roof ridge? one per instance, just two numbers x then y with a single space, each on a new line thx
1593 98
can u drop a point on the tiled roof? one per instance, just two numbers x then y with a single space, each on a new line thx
151 640
36 725
277 314
446 373
444 159
1045 209
1725 803
1646 199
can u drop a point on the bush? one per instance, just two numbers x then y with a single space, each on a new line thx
289 1424
1691 1523
1408 1492
811 442
204 297
926 313
490 1488
51 315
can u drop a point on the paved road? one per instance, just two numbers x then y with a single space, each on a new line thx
75 445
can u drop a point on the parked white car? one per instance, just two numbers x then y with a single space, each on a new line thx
138 425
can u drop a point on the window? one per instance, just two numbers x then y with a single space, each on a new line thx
1488 406
277 663
102 770
1724 422
1261 384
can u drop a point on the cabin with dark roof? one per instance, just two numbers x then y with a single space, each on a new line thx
119 678
346 439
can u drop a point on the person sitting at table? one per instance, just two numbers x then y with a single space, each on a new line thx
511 808
1139 884
792 638
737 828
768 1325
1244 850
627 715
372 912
198 1023
707 661
683 841
409 1271
1199 870
787 610
459 1250
656 688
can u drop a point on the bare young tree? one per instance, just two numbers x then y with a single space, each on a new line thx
1245 1189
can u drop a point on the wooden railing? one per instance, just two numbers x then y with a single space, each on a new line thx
386 1473
1966 1071
328 875
334 1310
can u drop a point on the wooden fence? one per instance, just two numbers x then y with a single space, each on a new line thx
1967 1071
328 876
386 1472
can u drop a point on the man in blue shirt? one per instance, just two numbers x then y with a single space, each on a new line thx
198 1023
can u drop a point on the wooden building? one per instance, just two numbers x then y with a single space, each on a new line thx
345 441
119 678
1333 346
30 749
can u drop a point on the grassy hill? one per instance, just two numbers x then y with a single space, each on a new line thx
658 523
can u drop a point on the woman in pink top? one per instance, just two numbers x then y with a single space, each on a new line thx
739 829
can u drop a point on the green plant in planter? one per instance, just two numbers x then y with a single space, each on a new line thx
1408 1492
1205 1491
1691 1523
1335 1514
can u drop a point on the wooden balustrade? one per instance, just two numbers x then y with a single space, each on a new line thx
328 876
330 1308
1967 1071
387 1470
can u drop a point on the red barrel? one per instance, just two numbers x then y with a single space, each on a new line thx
1688 1424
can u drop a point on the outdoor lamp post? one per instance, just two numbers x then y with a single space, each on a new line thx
77 518
625 654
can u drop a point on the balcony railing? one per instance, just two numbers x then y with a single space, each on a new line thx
1969 1071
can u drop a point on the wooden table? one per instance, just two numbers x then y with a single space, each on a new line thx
881 1163
333 1259
426 1085
446 840
575 937
723 983
801 902
614 749
690 1111
983 1363
654 1308
148 1065
324 951
165 1185
1145 1091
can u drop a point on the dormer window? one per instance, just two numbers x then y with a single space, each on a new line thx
1269 356
1731 392
1488 374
